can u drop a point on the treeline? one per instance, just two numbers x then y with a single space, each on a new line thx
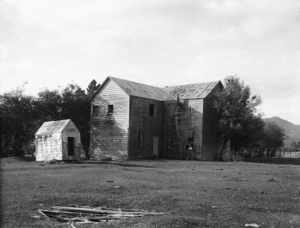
241 124
22 115
294 147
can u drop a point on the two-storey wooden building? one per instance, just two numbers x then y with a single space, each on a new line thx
134 120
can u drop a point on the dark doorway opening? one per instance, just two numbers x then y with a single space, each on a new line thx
71 146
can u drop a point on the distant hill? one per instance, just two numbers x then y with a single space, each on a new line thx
292 131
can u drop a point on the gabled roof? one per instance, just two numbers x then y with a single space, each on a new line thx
190 91
140 90
52 127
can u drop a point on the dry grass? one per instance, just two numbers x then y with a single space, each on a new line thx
190 193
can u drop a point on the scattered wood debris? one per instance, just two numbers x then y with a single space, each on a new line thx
92 215
253 225
117 186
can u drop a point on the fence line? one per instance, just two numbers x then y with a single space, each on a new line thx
290 154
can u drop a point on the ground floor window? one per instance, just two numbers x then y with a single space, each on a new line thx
173 136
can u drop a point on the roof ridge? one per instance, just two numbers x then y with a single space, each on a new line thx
197 83
133 82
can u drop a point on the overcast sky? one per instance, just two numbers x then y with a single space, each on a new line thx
51 43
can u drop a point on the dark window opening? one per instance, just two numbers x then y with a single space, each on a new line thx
110 109
151 109
71 146
96 110
179 121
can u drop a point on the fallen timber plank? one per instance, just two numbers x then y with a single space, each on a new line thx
66 212
83 217
82 214
101 211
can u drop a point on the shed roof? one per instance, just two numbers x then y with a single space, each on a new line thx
52 127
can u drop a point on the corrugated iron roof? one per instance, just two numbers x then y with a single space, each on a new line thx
140 90
190 91
52 127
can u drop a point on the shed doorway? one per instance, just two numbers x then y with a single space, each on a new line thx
155 146
71 146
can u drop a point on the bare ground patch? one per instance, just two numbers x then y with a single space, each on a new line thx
189 193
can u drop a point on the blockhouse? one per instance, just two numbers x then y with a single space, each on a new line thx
134 120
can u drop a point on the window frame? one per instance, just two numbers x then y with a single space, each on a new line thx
151 109
110 109
173 136
95 110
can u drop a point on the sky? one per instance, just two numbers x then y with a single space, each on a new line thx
51 43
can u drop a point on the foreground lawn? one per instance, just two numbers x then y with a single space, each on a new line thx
189 193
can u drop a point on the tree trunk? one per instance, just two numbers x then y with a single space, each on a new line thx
222 150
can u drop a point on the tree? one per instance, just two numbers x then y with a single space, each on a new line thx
48 105
236 110
17 120
76 106
247 137
92 88
295 146
273 137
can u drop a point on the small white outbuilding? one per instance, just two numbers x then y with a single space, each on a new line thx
58 140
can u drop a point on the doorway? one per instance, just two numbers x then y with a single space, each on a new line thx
71 146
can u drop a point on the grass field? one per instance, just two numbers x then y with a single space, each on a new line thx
189 193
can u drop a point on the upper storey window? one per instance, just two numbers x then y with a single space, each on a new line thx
110 109
96 110
151 109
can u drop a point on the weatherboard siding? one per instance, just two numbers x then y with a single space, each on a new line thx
183 122
145 126
211 131
109 132
197 125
